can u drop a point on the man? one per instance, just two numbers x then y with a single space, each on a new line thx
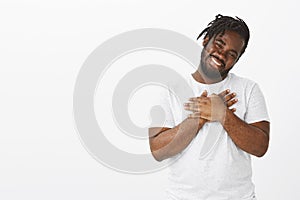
211 147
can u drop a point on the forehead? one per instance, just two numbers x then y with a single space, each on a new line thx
232 39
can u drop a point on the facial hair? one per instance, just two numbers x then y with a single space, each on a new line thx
212 73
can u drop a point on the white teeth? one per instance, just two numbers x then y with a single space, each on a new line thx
216 62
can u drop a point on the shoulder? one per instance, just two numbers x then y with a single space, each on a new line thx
181 86
242 82
241 79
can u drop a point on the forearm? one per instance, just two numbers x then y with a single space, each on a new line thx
246 136
172 141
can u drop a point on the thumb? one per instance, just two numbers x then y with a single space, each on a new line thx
204 93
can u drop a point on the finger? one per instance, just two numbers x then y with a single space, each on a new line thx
194 115
224 93
198 99
193 99
229 96
231 102
204 93
233 109
194 107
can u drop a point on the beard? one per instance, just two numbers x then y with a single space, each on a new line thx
210 72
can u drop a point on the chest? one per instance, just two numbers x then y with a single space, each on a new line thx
180 114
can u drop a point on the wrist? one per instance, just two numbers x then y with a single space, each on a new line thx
196 122
202 121
226 116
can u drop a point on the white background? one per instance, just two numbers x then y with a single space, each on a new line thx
43 45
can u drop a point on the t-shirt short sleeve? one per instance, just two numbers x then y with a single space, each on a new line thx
256 107
162 116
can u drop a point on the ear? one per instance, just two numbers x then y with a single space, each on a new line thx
205 41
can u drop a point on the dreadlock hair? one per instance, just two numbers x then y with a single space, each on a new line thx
222 23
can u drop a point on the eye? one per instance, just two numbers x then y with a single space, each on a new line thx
232 55
218 44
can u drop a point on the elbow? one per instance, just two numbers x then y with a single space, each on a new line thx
158 152
259 155
262 152
263 147
157 157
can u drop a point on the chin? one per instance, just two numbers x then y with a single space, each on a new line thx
214 75
210 72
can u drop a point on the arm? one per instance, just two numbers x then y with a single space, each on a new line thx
167 142
252 138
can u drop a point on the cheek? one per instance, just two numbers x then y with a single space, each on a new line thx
231 61
208 50
229 65
204 53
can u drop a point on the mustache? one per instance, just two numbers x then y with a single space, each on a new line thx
216 57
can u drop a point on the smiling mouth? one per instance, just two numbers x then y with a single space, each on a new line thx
217 62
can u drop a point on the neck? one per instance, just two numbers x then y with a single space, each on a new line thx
201 78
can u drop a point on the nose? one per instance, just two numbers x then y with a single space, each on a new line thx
221 54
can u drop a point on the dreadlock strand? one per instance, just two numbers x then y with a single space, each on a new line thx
222 23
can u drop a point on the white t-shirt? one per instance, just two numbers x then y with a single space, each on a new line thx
212 167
